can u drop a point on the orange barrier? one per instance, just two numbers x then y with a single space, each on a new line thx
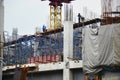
45 59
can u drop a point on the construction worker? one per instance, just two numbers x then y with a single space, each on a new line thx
44 28
80 18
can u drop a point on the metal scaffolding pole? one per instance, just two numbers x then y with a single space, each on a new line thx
0 58
1 35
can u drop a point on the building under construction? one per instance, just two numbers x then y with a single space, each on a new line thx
87 50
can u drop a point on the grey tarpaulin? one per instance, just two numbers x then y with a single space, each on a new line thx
90 50
102 48
109 45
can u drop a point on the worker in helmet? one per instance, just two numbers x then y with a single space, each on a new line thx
44 28
80 18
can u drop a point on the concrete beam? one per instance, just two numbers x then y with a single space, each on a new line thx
49 66
75 64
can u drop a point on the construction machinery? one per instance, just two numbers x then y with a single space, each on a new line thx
56 12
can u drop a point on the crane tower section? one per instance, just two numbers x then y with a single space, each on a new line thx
56 13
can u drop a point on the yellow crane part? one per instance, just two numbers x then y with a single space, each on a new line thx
55 17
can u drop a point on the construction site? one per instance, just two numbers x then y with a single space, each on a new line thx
86 50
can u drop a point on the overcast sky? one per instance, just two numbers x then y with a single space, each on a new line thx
28 14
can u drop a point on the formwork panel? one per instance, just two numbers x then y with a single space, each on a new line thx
7 77
111 76
51 75
78 74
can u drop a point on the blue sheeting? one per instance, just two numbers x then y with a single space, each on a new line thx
23 49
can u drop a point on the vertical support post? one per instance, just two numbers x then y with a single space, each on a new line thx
40 48
51 17
1 33
1 56
68 39
61 43
26 50
50 54
19 51
55 16
68 49
31 50
60 16
68 46
44 54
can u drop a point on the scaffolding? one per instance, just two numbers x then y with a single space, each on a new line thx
77 44
55 16
34 49
110 11
45 47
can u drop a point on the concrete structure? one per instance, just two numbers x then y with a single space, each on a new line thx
1 33
67 70
111 76
68 49
15 34
1 17
39 71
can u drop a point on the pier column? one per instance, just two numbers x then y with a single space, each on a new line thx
1 35
68 49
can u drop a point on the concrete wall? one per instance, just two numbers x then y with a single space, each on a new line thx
47 75
56 75
111 76
8 77
50 75
78 74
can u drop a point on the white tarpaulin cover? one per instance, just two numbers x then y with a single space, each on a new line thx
101 47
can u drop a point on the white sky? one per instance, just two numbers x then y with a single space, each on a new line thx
28 14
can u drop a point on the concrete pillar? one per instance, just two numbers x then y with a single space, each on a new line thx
1 34
67 74
68 49
1 17
68 40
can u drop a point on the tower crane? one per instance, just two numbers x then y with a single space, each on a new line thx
56 12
